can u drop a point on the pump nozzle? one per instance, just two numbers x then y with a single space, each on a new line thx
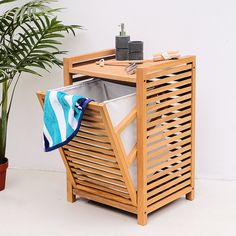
122 32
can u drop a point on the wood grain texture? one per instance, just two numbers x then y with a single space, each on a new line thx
106 201
66 70
141 147
96 163
71 197
190 196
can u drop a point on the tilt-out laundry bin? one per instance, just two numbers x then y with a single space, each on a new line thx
135 147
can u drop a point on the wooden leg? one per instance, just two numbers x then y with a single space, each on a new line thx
71 197
190 195
142 218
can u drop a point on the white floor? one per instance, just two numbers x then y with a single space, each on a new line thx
34 204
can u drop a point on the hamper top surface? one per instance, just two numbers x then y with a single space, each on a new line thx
118 72
107 72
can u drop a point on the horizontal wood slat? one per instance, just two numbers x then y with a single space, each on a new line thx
171 108
92 109
89 141
92 114
172 194
100 183
177 144
96 119
91 159
167 71
168 177
152 84
168 125
168 170
166 103
90 124
77 162
92 189
91 148
167 87
106 201
169 140
169 117
93 130
169 184
102 188
88 152
97 171
166 64
96 137
168 133
168 95
169 155
98 176
168 163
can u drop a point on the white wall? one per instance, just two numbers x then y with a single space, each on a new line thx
204 28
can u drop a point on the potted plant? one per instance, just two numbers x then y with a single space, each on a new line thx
29 40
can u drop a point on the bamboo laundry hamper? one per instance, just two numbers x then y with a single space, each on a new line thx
135 147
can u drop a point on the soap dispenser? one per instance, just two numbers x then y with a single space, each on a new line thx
122 52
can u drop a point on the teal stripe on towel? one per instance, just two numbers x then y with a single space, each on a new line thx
53 128
66 109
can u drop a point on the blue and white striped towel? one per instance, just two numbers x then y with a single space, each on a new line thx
62 117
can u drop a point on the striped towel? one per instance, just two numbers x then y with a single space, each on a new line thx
62 117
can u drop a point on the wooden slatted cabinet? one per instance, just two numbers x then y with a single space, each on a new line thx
96 164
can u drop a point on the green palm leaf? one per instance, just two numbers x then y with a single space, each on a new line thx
30 37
